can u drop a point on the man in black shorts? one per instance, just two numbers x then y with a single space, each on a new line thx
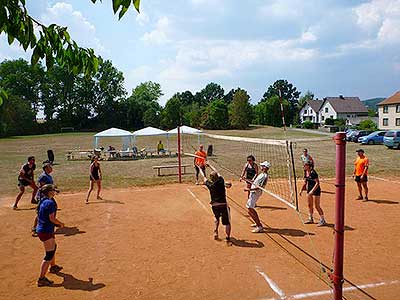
216 185
25 178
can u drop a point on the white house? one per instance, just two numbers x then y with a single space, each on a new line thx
389 112
310 111
350 109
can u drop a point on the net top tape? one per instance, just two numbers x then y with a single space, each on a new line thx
246 139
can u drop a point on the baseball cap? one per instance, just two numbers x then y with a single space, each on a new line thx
266 164
49 187
360 150
47 164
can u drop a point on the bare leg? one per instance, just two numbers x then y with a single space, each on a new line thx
98 188
35 189
49 245
365 186
216 223
19 196
317 200
253 214
359 189
310 205
89 191
228 231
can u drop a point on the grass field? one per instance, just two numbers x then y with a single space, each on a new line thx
73 175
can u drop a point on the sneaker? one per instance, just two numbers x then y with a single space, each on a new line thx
366 198
309 221
258 229
359 198
34 233
44 281
15 207
55 269
321 222
215 235
197 183
253 225
99 198
228 241
33 201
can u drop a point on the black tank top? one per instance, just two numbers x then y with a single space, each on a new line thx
95 171
250 171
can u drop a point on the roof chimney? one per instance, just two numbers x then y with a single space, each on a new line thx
341 97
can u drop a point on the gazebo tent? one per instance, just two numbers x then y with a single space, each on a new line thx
149 131
186 130
127 137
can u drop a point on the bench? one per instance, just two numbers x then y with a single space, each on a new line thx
159 168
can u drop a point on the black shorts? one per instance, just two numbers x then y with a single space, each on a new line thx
361 179
197 168
317 191
222 211
23 182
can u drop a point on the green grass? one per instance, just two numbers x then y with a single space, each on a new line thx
73 175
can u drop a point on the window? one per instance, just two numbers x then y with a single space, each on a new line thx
304 119
385 109
385 122
310 111
326 109
398 108
397 121
331 116
305 112
323 118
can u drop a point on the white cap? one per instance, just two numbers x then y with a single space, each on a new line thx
266 164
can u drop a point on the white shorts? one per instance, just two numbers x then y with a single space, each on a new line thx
254 196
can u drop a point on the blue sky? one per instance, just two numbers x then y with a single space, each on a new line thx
330 47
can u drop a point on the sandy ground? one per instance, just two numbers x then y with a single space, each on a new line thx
156 243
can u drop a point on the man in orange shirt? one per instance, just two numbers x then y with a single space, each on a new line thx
361 173
200 162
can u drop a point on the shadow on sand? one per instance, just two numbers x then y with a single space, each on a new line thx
269 207
287 231
105 201
381 201
247 243
346 228
68 231
72 283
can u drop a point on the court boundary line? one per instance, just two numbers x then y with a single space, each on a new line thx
198 200
272 284
327 292
383 179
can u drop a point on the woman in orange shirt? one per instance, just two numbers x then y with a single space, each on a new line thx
200 162
361 174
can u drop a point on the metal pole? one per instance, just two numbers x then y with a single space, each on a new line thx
294 177
179 155
337 276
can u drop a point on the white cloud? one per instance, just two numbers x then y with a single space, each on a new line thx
142 18
282 9
80 29
159 35
381 18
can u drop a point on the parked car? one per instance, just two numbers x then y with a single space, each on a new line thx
349 132
354 137
373 138
392 139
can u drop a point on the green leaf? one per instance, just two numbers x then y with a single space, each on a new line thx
136 3
10 39
35 56
116 5
122 12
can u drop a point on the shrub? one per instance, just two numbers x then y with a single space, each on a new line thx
308 125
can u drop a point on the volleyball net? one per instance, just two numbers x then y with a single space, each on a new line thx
229 153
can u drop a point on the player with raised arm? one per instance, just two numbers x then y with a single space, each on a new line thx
311 184
216 185
26 178
255 193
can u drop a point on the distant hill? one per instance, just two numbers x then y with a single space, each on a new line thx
371 103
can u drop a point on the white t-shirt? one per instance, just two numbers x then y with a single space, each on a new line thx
260 181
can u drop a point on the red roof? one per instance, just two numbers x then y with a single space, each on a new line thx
394 99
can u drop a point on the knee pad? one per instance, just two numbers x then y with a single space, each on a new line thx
50 254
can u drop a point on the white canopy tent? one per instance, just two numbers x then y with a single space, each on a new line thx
149 131
185 129
127 137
